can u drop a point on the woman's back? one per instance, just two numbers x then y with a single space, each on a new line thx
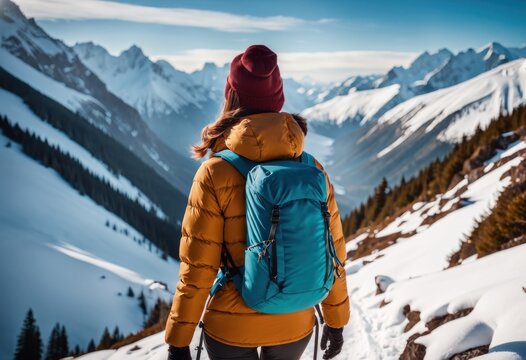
215 218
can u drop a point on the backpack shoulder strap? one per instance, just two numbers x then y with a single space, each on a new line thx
242 164
307 158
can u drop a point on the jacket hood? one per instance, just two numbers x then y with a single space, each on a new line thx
264 137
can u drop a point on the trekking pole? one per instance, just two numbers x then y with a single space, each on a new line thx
200 346
317 325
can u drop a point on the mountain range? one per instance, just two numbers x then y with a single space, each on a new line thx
408 117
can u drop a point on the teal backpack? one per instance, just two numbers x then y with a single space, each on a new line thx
290 256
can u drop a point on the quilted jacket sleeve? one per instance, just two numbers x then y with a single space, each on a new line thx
200 253
336 306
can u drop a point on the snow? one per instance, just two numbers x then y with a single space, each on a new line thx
64 262
512 149
498 317
357 105
353 244
34 38
467 105
153 88
18 113
71 99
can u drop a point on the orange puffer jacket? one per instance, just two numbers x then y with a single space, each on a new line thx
215 215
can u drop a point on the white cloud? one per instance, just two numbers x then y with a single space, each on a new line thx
323 66
109 10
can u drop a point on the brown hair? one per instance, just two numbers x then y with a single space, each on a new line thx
231 115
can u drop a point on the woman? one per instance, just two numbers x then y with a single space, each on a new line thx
252 126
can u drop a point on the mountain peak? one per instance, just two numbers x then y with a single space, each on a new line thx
495 46
90 49
134 52
134 57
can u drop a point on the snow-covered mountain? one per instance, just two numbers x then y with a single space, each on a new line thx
212 77
427 73
406 289
51 67
175 106
415 132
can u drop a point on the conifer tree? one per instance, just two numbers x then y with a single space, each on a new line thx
142 303
52 352
105 340
63 342
116 336
91 346
130 292
29 344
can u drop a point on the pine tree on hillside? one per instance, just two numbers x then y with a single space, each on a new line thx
76 351
29 344
378 201
57 347
105 340
130 292
116 336
142 304
63 342
91 346
52 352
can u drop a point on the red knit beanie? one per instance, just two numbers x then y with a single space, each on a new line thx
255 77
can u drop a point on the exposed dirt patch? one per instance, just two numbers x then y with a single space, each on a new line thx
413 317
383 303
471 353
441 320
369 245
415 351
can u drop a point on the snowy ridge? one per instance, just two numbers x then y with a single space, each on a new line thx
150 87
427 73
57 91
468 105
360 106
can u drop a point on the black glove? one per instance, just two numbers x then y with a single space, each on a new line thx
335 338
179 353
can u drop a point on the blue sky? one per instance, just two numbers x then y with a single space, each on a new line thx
343 37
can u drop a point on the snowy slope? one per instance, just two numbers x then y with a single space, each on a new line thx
18 113
358 106
62 260
415 264
54 69
491 285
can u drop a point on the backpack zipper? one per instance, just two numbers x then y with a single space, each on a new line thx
272 238
326 218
